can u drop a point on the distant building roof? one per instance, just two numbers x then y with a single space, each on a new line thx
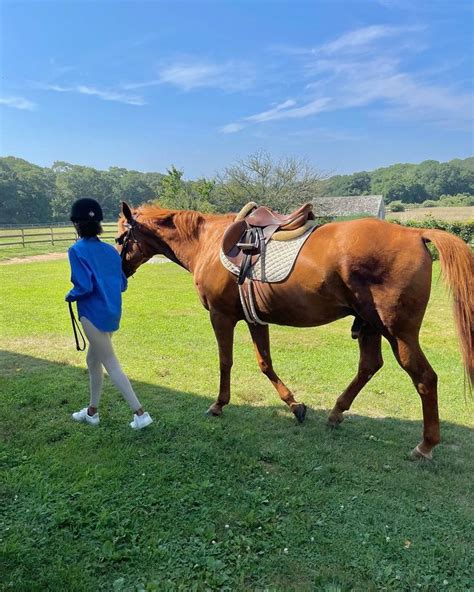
349 205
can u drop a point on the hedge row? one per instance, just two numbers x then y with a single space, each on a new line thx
464 230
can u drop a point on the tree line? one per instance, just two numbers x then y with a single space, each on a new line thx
409 183
34 194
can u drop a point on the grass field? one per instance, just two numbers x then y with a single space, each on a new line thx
249 501
463 214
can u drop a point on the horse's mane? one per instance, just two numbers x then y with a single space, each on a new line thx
186 222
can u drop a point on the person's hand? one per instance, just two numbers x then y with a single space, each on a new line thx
69 298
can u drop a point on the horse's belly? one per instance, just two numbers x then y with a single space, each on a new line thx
298 306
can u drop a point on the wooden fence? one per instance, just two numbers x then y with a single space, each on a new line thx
52 234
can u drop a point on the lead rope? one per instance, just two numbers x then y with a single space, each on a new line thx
76 329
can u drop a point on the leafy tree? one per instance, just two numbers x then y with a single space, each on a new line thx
172 188
281 185
356 184
397 206
406 191
176 193
9 196
29 193
130 186
25 191
444 178
461 199
79 181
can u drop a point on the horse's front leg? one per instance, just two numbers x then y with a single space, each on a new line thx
223 326
261 341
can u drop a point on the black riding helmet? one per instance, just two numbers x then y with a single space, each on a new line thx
86 210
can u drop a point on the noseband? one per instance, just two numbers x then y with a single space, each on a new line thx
128 238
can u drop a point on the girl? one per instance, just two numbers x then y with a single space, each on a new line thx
96 272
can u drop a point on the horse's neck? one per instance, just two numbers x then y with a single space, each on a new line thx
186 252
189 251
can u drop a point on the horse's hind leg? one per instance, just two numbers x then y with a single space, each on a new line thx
370 361
261 341
409 355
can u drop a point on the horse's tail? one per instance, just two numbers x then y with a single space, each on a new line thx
457 265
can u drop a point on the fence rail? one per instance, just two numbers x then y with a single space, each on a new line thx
22 236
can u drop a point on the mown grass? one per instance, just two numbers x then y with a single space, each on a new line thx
448 213
249 501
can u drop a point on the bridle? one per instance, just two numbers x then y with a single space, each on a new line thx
128 238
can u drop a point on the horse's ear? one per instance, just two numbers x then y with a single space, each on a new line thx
127 212
168 221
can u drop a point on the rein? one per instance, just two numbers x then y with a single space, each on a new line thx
76 328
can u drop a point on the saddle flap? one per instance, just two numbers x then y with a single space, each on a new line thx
232 236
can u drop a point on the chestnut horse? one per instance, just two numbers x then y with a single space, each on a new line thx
377 271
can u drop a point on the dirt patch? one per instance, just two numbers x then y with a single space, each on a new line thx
34 258
56 256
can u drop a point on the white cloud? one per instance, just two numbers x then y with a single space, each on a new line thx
286 110
360 69
231 128
104 94
18 103
192 74
355 84
362 39
272 113
323 134
354 42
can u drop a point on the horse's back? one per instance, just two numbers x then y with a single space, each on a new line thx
368 241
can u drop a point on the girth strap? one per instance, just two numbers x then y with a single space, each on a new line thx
252 245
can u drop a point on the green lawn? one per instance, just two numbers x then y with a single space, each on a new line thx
249 501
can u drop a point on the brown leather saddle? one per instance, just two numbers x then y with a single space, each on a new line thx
244 243
245 239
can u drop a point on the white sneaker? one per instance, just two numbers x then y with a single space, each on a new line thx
83 416
141 421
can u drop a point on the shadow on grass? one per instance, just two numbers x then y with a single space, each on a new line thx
250 500
63 388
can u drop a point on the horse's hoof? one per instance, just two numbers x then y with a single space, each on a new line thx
417 454
212 412
300 412
334 420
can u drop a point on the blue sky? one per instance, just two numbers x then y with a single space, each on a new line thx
347 85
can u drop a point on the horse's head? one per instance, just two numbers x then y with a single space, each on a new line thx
143 233
133 242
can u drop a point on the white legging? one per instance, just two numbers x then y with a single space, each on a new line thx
100 353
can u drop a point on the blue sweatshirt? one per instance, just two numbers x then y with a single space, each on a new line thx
96 272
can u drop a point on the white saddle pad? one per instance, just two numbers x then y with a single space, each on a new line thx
277 262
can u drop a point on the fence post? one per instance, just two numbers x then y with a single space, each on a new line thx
22 236
52 235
